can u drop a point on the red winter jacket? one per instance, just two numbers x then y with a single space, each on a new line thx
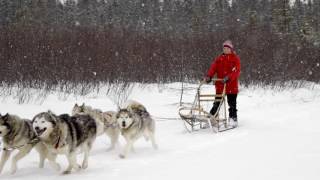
226 65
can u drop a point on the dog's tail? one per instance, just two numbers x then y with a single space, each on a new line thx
136 107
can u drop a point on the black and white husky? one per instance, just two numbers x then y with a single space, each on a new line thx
17 134
66 135
106 122
134 121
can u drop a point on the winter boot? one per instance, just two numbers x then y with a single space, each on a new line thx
233 122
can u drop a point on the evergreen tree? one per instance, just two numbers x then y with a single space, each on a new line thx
316 14
3 12
316 22
300 25
281 16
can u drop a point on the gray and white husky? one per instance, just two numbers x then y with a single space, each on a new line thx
66 135
106 122
134 121
18 134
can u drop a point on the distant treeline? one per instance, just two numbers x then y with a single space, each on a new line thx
43 42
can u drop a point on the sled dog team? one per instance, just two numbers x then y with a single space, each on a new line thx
69 135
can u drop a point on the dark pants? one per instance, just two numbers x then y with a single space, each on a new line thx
232 102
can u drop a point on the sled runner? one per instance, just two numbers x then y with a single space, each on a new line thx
195 117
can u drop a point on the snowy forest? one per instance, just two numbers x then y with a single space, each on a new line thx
46 42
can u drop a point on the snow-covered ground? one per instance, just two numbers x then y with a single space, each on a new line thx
278 138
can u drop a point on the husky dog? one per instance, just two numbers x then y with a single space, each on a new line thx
106 122
18 134
135 121
66 135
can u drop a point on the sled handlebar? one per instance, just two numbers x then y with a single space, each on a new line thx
214 80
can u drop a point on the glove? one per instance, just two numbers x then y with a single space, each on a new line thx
206 79
225 79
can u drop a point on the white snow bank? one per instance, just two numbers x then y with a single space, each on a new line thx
278 138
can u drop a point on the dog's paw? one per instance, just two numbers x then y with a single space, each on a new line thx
55 166
122 156
146 138
13 169
133 150
110 148
78 167
66 172
84 165
41 164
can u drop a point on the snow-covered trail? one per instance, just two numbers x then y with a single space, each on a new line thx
276 139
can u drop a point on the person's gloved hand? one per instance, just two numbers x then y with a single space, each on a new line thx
206 80
225 79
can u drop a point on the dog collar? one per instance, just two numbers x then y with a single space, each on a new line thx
130 125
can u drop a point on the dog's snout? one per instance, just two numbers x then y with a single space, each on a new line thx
37 128
123 124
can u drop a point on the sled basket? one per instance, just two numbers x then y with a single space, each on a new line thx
195 117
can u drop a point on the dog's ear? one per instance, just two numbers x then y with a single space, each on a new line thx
6 117
52 115
130 114
82 107
118 108
118 113
32 120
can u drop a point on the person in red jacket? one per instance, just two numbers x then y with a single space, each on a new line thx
227 67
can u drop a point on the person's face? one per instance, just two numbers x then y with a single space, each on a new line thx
226 50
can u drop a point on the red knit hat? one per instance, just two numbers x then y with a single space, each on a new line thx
228 44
